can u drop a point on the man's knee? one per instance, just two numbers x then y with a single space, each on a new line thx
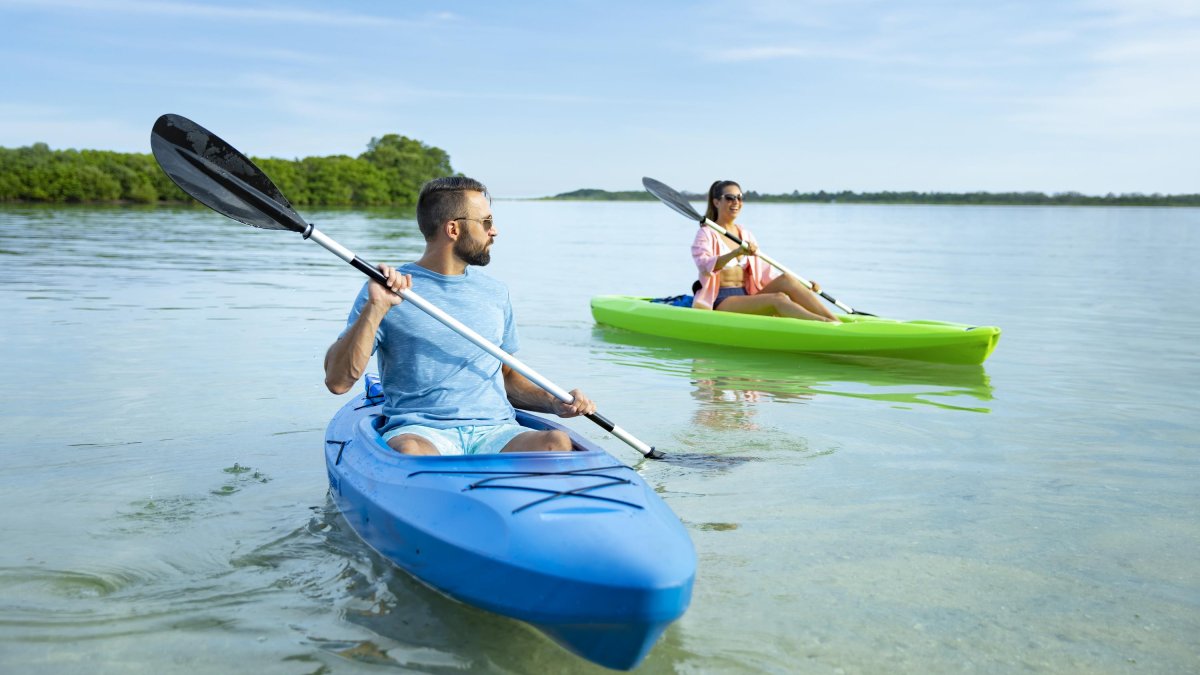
552 440
557 440
539 441
412 445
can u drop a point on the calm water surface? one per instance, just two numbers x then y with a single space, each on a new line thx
163 488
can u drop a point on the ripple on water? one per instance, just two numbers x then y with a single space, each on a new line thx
31 582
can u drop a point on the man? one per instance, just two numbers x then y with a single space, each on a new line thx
442 394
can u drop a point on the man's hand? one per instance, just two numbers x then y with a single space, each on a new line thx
389 295
582 405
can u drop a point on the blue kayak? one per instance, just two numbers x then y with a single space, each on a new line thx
574 543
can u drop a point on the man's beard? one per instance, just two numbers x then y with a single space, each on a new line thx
471 253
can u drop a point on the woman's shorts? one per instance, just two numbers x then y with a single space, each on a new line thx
728 292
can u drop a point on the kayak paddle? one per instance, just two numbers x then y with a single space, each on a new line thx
226 181
680 205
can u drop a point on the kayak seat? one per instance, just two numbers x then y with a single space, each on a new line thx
674 300
374 388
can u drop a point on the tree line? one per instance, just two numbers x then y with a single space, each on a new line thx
389 173
982 198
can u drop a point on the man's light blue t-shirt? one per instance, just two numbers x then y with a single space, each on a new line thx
433 376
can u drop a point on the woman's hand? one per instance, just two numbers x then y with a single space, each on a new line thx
750 248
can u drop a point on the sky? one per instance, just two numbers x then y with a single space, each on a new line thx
539 98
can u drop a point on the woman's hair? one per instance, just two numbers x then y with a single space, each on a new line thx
441 199
713 192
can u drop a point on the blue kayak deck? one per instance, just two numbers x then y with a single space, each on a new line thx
574 543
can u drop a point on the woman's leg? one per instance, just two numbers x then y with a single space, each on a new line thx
767 303
800 295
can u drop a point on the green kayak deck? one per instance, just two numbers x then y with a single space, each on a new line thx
936 341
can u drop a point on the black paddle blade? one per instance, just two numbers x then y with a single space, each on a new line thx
671 198
220 177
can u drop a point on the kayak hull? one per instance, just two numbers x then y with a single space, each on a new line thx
859 335
574 543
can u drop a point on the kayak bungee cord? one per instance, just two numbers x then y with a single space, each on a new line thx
581 492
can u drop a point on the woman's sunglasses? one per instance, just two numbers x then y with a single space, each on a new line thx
730 197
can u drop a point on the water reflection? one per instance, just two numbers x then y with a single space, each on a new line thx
380 225
183 239
414 627
728 382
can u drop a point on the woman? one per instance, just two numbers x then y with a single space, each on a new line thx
734 279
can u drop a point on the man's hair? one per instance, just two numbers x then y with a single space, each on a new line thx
443 199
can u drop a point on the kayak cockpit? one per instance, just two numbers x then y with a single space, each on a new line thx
373 396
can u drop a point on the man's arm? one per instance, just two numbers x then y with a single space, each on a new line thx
526 395
347 358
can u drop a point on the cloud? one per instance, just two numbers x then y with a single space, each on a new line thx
1118 104
28 124
1165 48
281 14
1135 11
1136 58
1092 68
773 53
878 33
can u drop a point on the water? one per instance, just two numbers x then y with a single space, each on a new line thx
163 488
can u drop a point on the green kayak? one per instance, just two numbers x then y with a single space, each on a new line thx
859 335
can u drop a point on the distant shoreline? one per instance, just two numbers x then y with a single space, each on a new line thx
935 198
889 198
